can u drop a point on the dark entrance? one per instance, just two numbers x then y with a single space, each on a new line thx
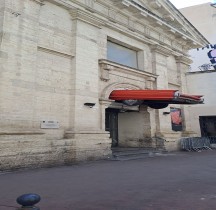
208 125
111 125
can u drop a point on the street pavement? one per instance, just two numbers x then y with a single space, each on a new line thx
175 181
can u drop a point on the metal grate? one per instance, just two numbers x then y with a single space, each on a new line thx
195 143
212 139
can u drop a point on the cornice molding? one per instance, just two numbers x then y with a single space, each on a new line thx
161 20
183 59
155 4
78 14
131 26
143 34
157 21
160 49
142 37
122 4
41 2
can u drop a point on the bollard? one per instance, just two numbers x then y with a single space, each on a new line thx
28 201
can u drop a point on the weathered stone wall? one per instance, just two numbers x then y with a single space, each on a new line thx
55 66
19 150
53 58
204 83
135 129
38 80
18 64
38 72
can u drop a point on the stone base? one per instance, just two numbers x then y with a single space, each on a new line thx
142 143
170 141
32 150
189 134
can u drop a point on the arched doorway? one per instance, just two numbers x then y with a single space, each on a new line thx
129 126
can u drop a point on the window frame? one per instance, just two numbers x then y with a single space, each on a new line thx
120 44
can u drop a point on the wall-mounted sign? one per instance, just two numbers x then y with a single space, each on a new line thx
204 60
212 57
49 124
176 119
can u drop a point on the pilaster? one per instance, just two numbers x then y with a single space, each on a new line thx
183 64
159 64
86 84
104 104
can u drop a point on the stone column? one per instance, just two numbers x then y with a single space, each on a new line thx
88 121
183 64
86 84
159 65
104 104
150 125
88 131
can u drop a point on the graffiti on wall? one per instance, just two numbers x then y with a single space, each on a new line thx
212 57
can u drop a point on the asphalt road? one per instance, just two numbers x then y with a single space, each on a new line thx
180 181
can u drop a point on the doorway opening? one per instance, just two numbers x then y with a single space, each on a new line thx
111 125
208 126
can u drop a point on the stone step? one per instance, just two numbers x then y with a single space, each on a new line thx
134 153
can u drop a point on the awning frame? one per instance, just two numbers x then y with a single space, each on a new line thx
154 98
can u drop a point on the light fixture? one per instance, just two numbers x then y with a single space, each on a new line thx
165 113
90 105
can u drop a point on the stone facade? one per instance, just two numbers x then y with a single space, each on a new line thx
53 60
204 19
204 81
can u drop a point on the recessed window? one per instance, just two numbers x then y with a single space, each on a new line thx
122 55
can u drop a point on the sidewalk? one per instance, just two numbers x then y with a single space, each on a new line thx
177 181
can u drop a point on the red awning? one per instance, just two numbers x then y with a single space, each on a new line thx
156 96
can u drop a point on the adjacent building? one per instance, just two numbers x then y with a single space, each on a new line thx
203 17
203 117
61 59
202 76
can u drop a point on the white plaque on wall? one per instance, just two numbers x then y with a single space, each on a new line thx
52 124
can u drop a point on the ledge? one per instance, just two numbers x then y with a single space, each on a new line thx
175 84
78 14
87 132
200 72
54 51
127 68
183 59
162 50
21 132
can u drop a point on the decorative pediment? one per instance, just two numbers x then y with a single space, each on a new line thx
183 59
151 21
161 13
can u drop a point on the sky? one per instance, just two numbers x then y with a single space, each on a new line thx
187 3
